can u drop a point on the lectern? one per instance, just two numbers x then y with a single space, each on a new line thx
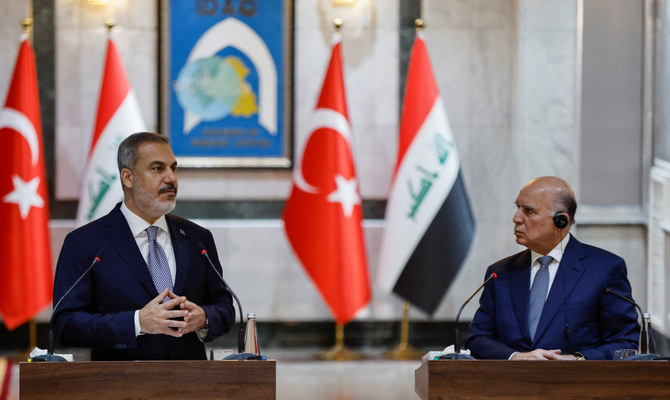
165 380
486 379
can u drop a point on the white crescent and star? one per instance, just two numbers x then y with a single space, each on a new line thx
25 193
10 118
345 194
347 189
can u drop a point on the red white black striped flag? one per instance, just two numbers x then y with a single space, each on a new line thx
118 117
429 224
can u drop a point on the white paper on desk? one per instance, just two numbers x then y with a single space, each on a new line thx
40 352
449 349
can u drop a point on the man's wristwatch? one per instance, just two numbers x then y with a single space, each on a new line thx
202 332
580 356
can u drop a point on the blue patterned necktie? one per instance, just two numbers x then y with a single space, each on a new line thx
157 263
538 294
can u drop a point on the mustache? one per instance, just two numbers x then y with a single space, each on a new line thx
168 187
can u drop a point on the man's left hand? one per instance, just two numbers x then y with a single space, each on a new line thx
195 319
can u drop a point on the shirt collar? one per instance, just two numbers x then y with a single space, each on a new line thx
138 225
556 253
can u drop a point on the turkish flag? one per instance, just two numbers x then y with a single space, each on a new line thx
323 214
26 278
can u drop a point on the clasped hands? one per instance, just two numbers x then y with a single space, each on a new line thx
161 318
541 354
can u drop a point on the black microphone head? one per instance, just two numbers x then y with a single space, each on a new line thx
605 291
100 255
201 247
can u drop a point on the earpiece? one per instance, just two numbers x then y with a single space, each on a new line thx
560 220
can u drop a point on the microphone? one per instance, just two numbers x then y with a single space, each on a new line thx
457 346
50 352
645 343
241 355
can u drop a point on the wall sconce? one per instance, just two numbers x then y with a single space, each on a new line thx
100 2
338 3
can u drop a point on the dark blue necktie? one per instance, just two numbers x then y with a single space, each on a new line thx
157 263
538 294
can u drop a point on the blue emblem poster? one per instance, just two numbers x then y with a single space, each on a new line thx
227 92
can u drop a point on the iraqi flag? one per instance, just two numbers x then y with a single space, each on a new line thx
323 214
118 117
429 225
26 275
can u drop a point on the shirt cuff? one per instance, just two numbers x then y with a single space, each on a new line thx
138 328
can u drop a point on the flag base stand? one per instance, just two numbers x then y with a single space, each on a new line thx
340 352
24 355
32 340
404 351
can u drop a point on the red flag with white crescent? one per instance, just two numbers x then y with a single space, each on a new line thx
323 214
26 277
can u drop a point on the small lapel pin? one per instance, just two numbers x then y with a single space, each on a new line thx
182 232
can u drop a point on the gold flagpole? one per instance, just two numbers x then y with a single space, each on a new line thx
33 335
110 23
28 21
404 351
340 352
27 24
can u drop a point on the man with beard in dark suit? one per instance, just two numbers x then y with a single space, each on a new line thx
153 295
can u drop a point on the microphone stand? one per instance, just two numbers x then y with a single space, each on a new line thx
456 355
645 343
240 355
50 356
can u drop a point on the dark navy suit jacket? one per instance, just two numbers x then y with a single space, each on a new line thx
577 316
99 312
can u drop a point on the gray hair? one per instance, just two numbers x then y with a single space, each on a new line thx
566 199
128 153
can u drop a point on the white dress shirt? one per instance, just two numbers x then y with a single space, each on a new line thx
557 254
138 228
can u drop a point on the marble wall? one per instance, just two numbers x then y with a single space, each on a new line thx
659 210
508 73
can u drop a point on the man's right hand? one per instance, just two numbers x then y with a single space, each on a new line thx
157 317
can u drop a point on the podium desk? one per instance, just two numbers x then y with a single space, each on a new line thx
165 380
502 379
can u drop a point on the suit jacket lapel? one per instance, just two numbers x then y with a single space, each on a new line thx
569 272
519 284
120 237
182 252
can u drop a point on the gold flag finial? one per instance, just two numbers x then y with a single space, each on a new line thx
110 23
338 24
419 24
27 24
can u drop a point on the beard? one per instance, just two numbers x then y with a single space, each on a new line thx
151 204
